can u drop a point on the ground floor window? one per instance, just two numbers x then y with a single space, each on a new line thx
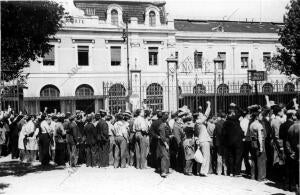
154 95
87 106
51 105
117 98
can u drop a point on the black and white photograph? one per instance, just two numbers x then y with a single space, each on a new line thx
150 97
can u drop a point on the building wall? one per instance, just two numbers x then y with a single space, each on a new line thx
66 75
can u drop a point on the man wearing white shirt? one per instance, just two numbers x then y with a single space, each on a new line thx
140 128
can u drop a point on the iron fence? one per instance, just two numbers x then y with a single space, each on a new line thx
160 96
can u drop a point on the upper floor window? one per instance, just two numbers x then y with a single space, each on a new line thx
115 54
90 11
244 60
198 59
114 17
49 58
153 55
152 18
266 57
83 55
222 55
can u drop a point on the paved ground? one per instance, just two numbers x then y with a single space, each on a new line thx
17 178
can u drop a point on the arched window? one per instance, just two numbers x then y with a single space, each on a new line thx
117 97
289 87
152 18
267 88
49 91
84 90
114 17
154 95
199 89
246 88
223 88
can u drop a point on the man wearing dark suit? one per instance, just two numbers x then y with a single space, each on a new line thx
74 137
233 134
103 140
154 135
90 135
218 143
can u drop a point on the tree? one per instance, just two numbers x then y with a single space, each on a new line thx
26 29
288 58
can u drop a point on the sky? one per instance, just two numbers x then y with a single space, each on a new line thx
266 10
257 10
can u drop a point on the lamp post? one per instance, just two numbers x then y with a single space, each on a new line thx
172 66
217 61
125 38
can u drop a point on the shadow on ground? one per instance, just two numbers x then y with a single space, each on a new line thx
16 168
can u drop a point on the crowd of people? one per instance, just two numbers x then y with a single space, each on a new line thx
265 138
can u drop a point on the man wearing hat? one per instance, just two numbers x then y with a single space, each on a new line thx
163 155
90 134
130 148
233 141
176 147
154 137
73 138
103 140
121 140
276 122
292 152
283 133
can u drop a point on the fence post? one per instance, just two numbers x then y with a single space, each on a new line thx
215 87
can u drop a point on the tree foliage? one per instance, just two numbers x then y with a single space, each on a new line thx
288 58
26 29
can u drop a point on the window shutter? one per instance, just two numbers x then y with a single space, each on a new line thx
116 54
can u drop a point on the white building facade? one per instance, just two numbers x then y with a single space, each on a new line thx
87 67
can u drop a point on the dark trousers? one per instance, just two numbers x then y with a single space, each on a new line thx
14 147
103 155
91 155
258 164
246 153
153 160
234 158
81 154
120 152
130 149
60 153
291 173
140 150
176 156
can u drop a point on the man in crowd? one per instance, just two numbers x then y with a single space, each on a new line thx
103 140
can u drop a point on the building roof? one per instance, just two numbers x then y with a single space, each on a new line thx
226 26
154 2
131 8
